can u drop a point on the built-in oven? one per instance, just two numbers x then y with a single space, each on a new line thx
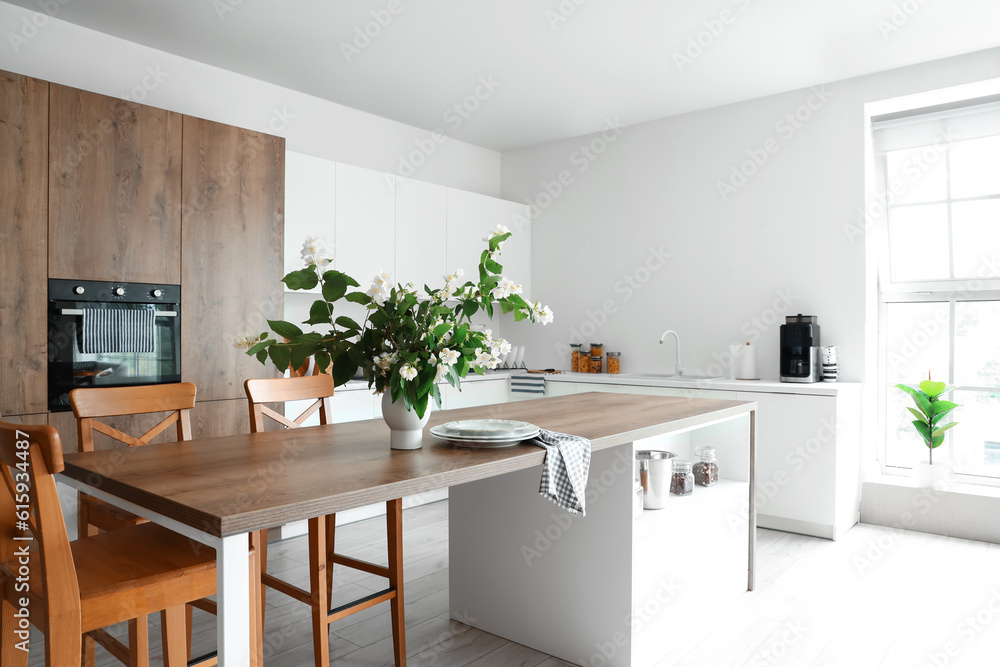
111 335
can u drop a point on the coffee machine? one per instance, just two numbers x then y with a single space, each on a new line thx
800 358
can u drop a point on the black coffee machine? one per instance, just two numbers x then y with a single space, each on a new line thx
800 360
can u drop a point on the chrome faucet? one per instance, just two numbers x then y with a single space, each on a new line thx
678 369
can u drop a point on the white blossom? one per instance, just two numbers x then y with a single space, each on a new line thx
499 231
448 357
542 313
244 342
442 372
483 358
381 288
407 372
500 346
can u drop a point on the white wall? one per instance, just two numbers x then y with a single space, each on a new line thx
656 185
75 56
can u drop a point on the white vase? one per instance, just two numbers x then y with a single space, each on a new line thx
928 476
406 428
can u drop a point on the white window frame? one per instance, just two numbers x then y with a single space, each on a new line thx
881 289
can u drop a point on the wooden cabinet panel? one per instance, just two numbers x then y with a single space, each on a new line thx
232 248
114 189
23 258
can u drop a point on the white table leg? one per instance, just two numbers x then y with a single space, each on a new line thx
233 598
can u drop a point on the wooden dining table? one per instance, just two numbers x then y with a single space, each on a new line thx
218 490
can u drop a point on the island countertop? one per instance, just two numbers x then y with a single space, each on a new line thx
236 484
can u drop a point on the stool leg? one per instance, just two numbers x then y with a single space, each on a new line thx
10 654
138 641
394 533
320 593
173 630
331 532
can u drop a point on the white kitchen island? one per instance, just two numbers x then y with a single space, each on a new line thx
605 589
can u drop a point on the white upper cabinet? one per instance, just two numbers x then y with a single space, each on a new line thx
472 217
310 204
421 230
365 223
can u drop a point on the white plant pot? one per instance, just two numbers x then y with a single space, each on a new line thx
927 476
406 428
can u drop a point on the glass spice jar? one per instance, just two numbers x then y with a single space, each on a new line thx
706 470
575 354
614 363
597 349
584 361
682 481
596 364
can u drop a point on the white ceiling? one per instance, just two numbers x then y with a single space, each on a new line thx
561 73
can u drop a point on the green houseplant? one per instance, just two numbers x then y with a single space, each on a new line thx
930 411
408 341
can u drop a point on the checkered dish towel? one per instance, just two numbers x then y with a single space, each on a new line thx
565 471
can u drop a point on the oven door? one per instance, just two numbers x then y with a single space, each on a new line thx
70 368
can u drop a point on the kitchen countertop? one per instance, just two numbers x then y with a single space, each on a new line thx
724 384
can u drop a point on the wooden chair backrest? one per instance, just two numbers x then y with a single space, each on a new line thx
30 515
91 403
280 390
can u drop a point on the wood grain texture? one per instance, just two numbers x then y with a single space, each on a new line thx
243 483
115 189
232 251
23 233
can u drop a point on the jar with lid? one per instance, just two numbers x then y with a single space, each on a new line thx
614 363
597 349
597 364
682 481
706 470
575 354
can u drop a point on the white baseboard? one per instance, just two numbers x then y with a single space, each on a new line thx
952 510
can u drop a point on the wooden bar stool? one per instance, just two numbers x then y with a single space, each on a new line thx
78 588
322 530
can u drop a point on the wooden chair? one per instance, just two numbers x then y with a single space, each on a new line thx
322 530
78 588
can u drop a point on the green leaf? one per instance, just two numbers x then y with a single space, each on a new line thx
943 406
932 389
322 360
299 355
480 370
260 347
917 413
497 240
919 397
506 306
343 369
944 428
262 356
442 329
359 297
334 285
923 429
320 312
493 267
469 308
284 329
937 442
301 279
280 356
420 405
348 323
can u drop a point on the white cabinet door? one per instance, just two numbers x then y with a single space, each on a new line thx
796 462
560 388
472 217
584 387
310 205
366 219
354 405
421 230
482 392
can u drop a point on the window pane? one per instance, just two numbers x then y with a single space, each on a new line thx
917 175
917 340
903 444
918 242
975 228
975 167
977 344
975 442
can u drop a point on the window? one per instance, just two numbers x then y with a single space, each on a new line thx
937 172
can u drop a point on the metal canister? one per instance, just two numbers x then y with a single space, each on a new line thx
655 470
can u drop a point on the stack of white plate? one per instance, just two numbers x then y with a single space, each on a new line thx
485 433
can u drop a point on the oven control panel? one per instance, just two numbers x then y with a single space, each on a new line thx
96 292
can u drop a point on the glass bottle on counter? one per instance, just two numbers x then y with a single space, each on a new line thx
682 481
596 364
614 363
706 470
575 356
597 349
584 360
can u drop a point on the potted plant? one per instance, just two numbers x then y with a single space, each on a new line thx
931 409
408 342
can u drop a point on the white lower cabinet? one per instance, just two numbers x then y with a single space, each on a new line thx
483 392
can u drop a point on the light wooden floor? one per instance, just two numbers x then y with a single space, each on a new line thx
878 597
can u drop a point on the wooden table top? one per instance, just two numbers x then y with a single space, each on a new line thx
240 483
